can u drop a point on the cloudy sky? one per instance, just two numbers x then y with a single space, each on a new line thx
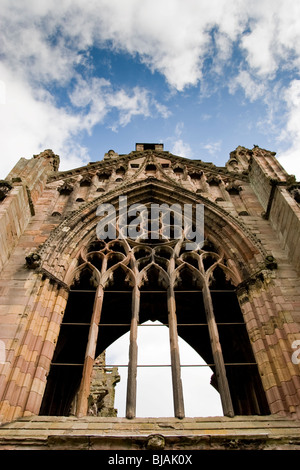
201 76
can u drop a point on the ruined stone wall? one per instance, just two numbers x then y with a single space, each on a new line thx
285 218
14 216
47 216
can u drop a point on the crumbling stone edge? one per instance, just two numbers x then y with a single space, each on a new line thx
152 442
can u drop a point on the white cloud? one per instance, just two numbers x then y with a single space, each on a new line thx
273 39
29 125
98 97
172 37
290 158
253 88
182 148
212 147
2 92
42 44
131 105
178 146
30 113
206 117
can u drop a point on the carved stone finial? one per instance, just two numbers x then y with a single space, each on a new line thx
110 154
233 188
156 442
295 193
196 175
49 154
85 181
213 180
270 262
66 188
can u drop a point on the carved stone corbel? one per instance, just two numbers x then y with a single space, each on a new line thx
294 191
65 189
33 260
213 180
85 181
233 188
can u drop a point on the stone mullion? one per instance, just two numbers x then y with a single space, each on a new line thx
174 347
133 354
175 357
217 352
84 389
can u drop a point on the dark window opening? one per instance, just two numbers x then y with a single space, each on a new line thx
103 176
151 168
149 146
67 363
196 176
155 301
120 171
96 260
113 326
96 245
178 170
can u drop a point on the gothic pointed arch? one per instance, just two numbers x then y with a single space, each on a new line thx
159 279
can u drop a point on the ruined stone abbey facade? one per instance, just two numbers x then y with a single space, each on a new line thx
67 294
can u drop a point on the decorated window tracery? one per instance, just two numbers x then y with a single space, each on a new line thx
120 284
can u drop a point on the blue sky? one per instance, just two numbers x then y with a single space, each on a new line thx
200 76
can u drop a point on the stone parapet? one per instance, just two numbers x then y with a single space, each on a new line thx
93 433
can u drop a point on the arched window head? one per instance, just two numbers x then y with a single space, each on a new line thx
153 277
85 278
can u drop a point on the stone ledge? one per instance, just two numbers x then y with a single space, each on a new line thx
91 433
133 442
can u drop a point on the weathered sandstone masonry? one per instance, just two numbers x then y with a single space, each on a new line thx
49 253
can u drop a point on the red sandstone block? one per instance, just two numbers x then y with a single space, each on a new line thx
40 374
3 383
258 345
33 403
278 408
22 398
47 349
290 391
12 393
45 362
